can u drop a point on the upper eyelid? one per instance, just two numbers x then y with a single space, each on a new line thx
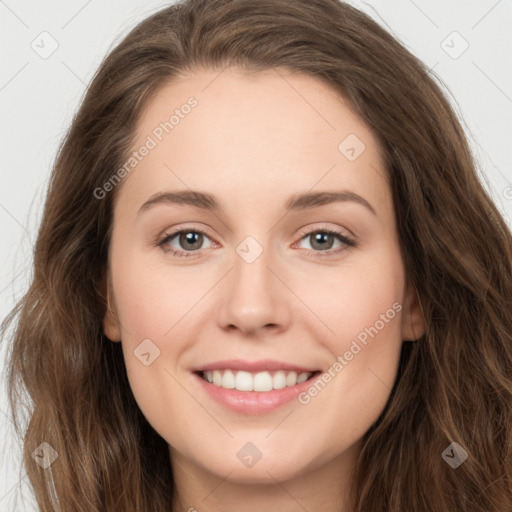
302 232
175 231
324 227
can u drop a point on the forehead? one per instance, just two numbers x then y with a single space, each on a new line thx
254 136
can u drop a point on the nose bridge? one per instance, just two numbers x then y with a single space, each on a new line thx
252 299
251 265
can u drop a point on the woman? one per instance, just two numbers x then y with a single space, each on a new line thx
248 371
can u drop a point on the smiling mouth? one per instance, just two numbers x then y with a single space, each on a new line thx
255 381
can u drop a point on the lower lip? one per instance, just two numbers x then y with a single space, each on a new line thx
253 402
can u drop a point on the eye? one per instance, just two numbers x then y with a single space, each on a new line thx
322 241
191 240
188 240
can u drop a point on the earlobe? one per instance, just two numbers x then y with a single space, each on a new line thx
413 323
111 325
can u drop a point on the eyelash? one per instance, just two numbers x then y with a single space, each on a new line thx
349 242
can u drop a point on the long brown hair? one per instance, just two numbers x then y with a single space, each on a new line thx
454 384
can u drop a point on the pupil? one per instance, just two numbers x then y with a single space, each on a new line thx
318 237
189 239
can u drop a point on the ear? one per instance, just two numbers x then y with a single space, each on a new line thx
413 323
111 324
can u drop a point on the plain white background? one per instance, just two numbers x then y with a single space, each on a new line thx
38 97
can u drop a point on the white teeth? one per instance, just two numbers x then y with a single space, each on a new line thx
261 381
279 379
243 381
291 379
303 377
228 380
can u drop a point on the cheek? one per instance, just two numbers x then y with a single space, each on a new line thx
149 310
356 297
361 309
152 310
150 301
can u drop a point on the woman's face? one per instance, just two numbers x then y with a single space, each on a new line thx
256 287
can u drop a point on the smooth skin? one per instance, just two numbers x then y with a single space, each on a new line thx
253 141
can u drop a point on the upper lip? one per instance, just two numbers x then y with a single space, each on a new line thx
252 366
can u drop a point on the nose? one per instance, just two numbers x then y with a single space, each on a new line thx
254 299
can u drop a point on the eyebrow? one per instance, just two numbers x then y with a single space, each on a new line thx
296 202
